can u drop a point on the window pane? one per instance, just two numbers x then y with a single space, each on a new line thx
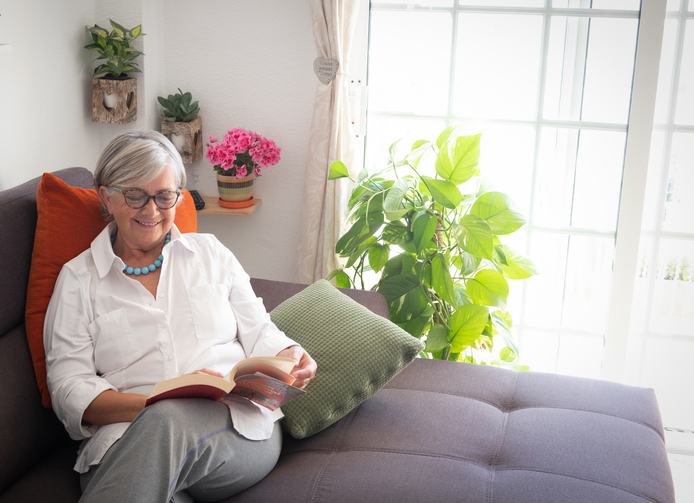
598 4
506 161
667 56
639 307
504 3
539 350
590 66
572 289
609 70
496 77
580 356
617 4
672 311
579 178
679 203
599 168
655 165
675 5
685 97
588 282
565 67
544 293
409 61
422 3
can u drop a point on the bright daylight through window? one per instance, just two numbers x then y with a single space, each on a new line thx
550 83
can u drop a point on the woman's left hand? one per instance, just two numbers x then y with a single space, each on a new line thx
304 367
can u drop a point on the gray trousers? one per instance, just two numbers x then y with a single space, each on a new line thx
180 445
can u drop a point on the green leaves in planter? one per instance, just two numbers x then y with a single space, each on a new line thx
114 48
178 107
435 253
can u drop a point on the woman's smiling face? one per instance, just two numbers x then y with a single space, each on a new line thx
144 228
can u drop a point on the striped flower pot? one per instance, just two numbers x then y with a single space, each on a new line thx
235 192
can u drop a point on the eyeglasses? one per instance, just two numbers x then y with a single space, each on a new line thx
136 198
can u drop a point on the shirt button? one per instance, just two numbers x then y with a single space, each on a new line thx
169 357
161 295
162 325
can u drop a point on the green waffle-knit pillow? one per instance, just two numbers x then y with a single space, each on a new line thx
357 353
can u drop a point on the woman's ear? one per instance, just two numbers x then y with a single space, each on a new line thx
105 199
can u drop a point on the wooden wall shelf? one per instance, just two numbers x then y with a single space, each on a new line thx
212 207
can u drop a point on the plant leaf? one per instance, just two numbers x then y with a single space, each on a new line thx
400 264
497 209
338 169
363 228
476 237
395 195
409 306
517 266
437 338
457 161
488 288
441 279
396 233
378 256
467 324
416 326
443 192
423 229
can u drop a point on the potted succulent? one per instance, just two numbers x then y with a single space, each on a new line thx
182 125
238 160
432 245
114 94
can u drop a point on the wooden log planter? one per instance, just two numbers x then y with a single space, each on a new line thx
125 109
191 149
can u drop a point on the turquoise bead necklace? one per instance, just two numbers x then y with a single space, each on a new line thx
150 268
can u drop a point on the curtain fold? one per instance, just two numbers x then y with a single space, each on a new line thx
324 208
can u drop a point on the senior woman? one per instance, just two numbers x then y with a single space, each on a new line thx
146 303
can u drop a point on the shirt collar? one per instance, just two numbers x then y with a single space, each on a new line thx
105 259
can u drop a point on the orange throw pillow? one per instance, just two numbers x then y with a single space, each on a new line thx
69 218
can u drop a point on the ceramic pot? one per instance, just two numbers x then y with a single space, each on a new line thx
235 192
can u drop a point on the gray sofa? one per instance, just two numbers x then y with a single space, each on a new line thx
439 431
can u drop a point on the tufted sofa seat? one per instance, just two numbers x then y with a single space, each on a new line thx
459 432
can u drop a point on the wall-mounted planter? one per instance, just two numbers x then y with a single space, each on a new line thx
186 136
120 109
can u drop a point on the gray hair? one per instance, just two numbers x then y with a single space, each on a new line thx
135 159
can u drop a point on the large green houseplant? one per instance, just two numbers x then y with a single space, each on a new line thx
433 244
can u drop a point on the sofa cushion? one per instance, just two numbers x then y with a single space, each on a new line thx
448 431
69 218
357 352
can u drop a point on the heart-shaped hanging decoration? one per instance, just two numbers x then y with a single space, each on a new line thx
326 69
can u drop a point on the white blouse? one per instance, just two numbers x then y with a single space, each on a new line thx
104 330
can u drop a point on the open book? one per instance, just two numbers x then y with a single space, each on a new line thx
264 380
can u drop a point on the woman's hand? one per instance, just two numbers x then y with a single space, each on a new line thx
304 366
209 372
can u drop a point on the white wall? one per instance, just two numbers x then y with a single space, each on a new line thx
248 63
45 89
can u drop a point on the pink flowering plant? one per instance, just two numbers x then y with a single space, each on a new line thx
241 153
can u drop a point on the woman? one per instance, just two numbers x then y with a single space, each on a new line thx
143 304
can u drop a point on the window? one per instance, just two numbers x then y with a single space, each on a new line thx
552 82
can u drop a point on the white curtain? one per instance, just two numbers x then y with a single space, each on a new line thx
324 201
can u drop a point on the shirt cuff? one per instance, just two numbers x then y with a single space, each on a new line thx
76 402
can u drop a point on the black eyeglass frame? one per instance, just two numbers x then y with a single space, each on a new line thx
148 197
